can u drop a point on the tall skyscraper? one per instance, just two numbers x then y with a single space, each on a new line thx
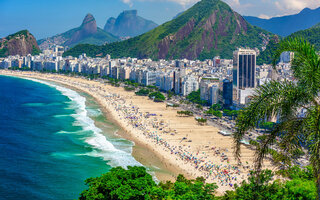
244 73
227 93
244 61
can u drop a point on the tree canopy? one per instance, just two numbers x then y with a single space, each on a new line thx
135 183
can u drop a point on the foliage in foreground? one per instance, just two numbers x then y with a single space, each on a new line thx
296 105
262 186
135 184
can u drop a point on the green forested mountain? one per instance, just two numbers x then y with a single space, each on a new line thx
312 35
316 26
207 29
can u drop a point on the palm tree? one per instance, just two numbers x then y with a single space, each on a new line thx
296 104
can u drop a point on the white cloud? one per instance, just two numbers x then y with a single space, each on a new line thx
296 5
270 8
181 2
234 2
239 5
184 3
263 16
129 2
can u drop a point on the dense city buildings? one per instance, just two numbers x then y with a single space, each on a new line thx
224 81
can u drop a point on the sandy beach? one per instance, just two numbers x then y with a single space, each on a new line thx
179 143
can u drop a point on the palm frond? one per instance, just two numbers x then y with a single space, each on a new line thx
306 62
274 99
289 132
313 128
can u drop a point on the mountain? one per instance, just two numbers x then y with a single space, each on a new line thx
129 24
287 25
312 35
87 33
316 26
177 15
21 43
207 29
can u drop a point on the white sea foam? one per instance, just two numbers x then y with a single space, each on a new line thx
102 147
94 112
58 116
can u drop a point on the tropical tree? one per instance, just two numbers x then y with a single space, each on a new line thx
157 96
262 186
201 121
136 184
185 113
296 105
143 92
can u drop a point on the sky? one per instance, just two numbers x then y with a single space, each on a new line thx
45 18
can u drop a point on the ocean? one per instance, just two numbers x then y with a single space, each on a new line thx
52 139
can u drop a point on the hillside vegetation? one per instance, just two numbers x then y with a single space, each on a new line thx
312 35
207 29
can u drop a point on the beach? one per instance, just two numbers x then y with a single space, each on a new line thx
180 144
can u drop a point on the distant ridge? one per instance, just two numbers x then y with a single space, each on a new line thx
87 33
287 25
21 43
129 24
311 34
207 29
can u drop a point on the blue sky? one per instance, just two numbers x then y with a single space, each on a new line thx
45 18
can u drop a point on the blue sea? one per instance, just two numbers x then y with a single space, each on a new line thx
52 139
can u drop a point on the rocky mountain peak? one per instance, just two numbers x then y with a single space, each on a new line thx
129 13
89 25
128 24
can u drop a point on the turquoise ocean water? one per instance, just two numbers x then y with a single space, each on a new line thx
51 140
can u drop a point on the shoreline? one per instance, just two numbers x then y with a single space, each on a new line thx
139 148
203 153
166 170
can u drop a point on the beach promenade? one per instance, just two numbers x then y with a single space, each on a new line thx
180 143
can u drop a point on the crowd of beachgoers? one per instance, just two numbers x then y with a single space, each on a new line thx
211 162
148 124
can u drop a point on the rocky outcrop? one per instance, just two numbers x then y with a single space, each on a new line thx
89 25
171 40
216 27
87 28
129 24
21 43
